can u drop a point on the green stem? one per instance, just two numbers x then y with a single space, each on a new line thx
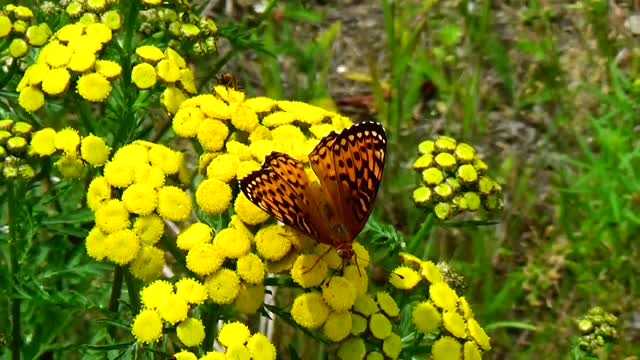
426 227
134 292
127 118
116 290
16 338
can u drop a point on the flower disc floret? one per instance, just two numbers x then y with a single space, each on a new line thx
122 246
143 76
213 196
67 140
248 212
309 310
149 228
272 243
190 332
454 323
223 286
96 245
357 277
250 268
98 193
112 216
234 333
380 326
446 348
99 32
149 53
57 54
82 61
173 309
196 233
118 173
352 348
223 167
204 258
31 98
425 317
392 346
153 295
250 298
443 296
309 270
365 305
212 134
93 87
70 166
94 150
359 324
191 290
147 174
338 326
478 334
187 122
232 243
147 326
168 71
140 199
471 352
148 263
56 81
109 69
404 277
387 304
174 203
134 154
261 348
43 142
166 159
339 294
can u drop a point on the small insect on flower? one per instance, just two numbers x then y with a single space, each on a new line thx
333 211
228 80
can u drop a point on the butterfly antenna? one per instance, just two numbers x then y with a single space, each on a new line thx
316 263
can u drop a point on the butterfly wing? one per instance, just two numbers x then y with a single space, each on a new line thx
280 188
349 166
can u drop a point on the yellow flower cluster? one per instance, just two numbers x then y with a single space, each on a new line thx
74 150
72 50
130 202
454 179
15 25
14 161
163 303
238 343
169 67
89 11
443 313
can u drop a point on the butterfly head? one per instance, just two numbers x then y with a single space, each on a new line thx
345 251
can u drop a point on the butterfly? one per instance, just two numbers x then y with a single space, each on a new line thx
334 210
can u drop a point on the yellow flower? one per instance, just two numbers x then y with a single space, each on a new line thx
93 87
380 326
140 199
309 310
31 98
118 174
143 76
70 166
43 142
260 104
425 317
223 167
365 305
204 259
404 277
69 32
148 263
36 73
244 119
134 154
392 346
173 203
321 130
246 167
454 323
272 242
430 272
56 81
374 355
57 55
237 352
248 212
330 255
112 216
196 233
112 19
234 333
443 296
250 268
94 150
99 32
213 196
109 69
261 348
223 286
122 246
96 245
67 140
98 193
184 355
18 48
155 293
190 332
212 106
260 133
387 304
85 43
465 308
147 327
309 270
357 278
278 118
471 352
188 81
171 99
149 228
147 174
478 334
446 348
166 159
229 94
338 326
168 71
303 111
173 308
359 324
339 293
149 53
214 355
187 122
82 61
192 291
239 149
352 348
249 298
232 243
261 148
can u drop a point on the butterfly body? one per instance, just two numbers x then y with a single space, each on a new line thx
334 210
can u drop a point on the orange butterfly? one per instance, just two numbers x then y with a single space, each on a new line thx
349 166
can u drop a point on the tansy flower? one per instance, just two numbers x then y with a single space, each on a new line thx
166 159
229 94
260 104
471 352
272 243
465 308
213 107
67 140
204 258
430 272
232 243
374 355
249 298
95 244
245 168
147 326
112 216
339 293
213 196
85 43
261 148
187 121
69 166
147 174
309 310
173 203
150 53
237 352
140 199
387 304
352 348
173 308
223 167
93 87
57 55
43 142
94 150
303 111
443 296
446 348
56 81
148 263
260 133
223 286
358 278
212 134
380 326
365 305
184 355
404 277
31 98
244 119
118 173
82 61
171 99
454 323
214 355
425 317
261 348
143 75
250 268
338 326
98 193
134 154
168 71
248 212
196 233
278 118
191 290
107 68
112 19
155 293
35 73
234 333
188 81
190 332
358 324
122 245
149 228
239 149
478 334
99 31
310 270
392 346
